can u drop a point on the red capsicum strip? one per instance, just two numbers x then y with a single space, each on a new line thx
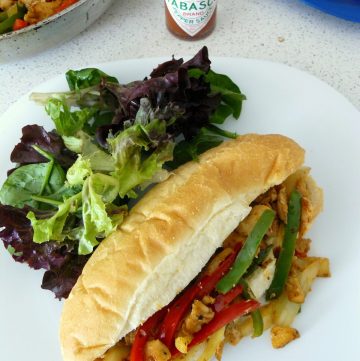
20 24
222 301
178 309
142 335
174 315
208 282
221 319
65 4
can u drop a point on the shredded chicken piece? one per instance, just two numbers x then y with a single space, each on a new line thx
268 197
182 343
294 290
200 314
216 261
299 264
324 266
281 336
303 246
40 9
130 338
5 4
208 300
282 204
233 240
274 228
307 215
156 351
233 333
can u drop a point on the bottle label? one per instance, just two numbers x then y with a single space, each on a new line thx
191 15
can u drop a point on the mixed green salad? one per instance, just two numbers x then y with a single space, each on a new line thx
73 186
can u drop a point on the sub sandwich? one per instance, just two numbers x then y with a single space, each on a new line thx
214 253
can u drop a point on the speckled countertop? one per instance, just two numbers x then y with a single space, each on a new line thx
285 31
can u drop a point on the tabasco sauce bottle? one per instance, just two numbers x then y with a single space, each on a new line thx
190 19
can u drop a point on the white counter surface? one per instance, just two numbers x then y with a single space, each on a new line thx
285 31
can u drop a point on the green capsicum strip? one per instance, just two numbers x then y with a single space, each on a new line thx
263 253
3 16
7 24
247 253
256 316
258 323
283 263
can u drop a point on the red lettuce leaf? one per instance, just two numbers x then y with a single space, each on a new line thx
170 86
60 260
61 280
167 67
17 236
51 142
200 61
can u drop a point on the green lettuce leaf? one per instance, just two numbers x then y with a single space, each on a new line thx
208 137
79 171
221 114
95 219
135 173
31 180
104 185
139 152
231 95
52 228
99 216
68 122
88 77
83 144
99 191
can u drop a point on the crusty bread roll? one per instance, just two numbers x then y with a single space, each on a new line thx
167 238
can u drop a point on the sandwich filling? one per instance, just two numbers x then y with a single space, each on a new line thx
257 280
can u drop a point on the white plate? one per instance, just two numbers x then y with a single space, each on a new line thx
280 100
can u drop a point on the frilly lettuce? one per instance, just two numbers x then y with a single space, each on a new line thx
136 157
68 122
139 153
92 204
